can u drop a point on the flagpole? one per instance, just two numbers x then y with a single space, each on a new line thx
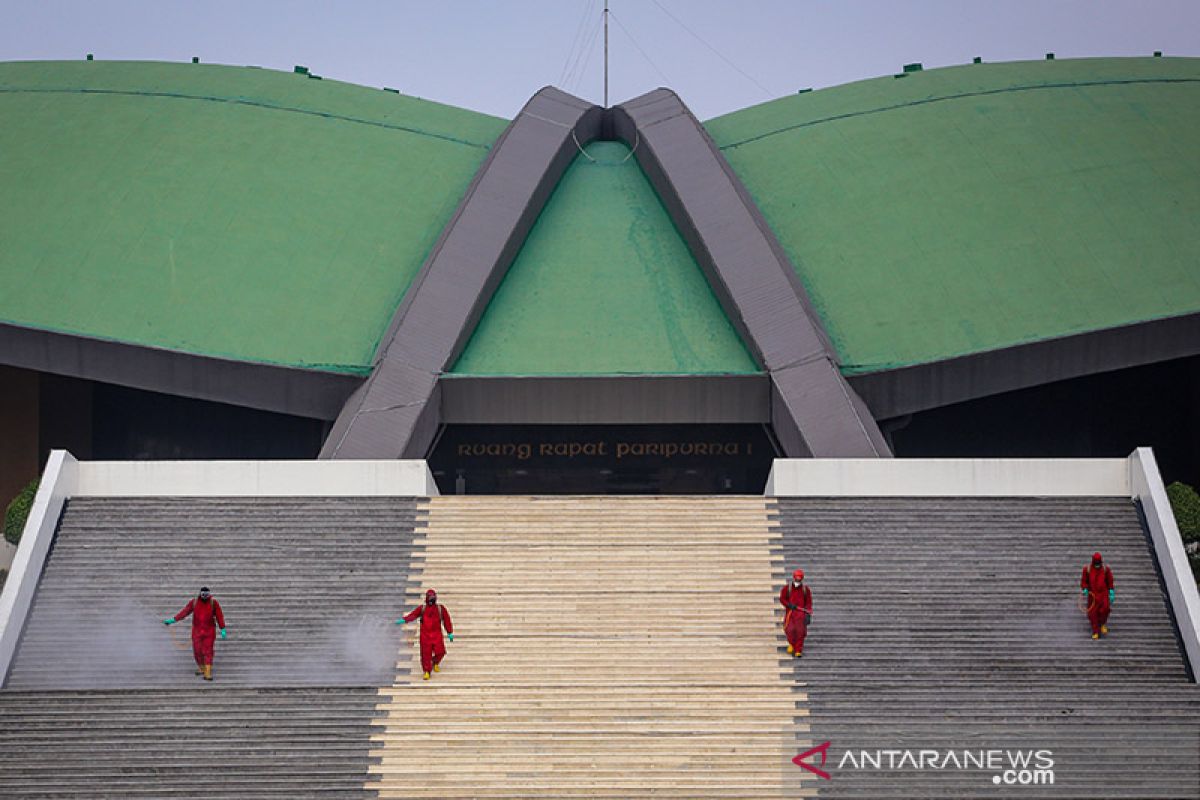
606 53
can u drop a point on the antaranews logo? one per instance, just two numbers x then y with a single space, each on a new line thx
1008 767
823 749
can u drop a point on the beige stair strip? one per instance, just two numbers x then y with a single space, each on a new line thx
605 647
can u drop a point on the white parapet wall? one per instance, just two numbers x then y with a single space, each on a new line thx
64 478
1148 490
59 480
949 477
255 479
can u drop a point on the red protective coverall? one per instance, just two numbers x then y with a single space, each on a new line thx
433 647
795 625
203 631
1097 582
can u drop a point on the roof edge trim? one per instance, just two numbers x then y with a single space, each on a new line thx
908 390
268 387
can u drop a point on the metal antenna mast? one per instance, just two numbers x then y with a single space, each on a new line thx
606 53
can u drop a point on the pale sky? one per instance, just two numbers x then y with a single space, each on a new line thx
491 56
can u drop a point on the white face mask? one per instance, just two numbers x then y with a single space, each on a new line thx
796 583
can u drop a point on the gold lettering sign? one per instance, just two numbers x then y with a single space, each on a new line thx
522 451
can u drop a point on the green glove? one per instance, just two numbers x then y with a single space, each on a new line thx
1085 592
223 633
401 621
452 637
169 621
1112 595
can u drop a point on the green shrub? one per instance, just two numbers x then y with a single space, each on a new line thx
1185 504
18 512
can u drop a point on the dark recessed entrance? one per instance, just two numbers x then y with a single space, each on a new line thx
602 459
1096 416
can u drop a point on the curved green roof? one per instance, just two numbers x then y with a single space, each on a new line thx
604 285
224 211
967 209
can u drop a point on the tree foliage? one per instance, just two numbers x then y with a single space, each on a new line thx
18 511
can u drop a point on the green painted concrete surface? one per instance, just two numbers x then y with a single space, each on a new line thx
966 209
604 285
224 211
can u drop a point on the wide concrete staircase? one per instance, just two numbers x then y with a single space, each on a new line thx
606 647
953 624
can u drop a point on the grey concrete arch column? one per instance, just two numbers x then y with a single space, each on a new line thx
396 411
814 411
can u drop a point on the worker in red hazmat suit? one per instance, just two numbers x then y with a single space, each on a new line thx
207 619
433 618
796 599
1096 584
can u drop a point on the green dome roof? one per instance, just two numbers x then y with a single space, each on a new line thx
967 209
223 211
275 218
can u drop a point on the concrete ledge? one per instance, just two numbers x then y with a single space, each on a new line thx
255 479
59 481
1148 488
950 477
